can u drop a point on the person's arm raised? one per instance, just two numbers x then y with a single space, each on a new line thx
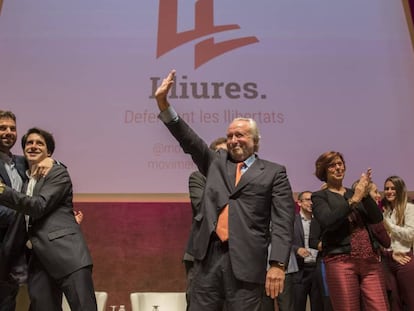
162 91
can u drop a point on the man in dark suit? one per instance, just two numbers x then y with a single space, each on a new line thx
13 268
196 184
59 260
306 279
232 231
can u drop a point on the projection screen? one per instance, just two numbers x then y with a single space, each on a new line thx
316 76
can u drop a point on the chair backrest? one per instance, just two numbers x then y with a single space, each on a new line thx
101 298
168 301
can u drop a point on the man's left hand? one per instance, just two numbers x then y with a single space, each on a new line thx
42 168
275 280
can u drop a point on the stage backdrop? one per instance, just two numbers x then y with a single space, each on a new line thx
316 75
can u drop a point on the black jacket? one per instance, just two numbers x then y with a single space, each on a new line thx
331 210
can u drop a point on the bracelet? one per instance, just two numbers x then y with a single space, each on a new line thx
351 202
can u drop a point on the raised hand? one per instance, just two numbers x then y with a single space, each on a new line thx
362 188
162 91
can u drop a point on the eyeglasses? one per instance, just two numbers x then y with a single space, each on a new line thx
332 166
306 199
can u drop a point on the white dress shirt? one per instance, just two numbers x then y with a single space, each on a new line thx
402 237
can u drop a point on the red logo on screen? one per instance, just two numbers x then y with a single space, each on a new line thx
205 50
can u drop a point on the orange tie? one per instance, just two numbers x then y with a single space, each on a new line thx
222 229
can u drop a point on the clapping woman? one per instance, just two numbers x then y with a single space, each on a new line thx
353 270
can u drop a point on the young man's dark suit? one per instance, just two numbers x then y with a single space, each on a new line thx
13 267
60 257
196 184
262 196
306 279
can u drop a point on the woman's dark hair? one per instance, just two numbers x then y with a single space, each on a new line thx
323 162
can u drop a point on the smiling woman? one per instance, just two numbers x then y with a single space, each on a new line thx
399 216
343 215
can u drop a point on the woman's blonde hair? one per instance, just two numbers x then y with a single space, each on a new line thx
400 200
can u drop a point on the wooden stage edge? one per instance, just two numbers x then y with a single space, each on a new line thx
130 197
143 197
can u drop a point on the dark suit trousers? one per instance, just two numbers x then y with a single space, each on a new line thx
285 300
46 293
189 270
215 286
8 293
306 284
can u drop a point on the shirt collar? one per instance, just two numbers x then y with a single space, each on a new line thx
303 216
250 160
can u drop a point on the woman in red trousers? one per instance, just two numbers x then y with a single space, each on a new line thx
353 269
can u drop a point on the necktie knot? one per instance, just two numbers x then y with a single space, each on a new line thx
239 168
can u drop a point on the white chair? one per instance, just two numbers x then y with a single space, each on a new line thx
101 298
168 301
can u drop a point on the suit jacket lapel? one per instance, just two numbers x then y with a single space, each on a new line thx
255 170
300 226
21 166
231 174
3 174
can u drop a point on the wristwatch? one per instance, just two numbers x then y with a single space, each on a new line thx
279 264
